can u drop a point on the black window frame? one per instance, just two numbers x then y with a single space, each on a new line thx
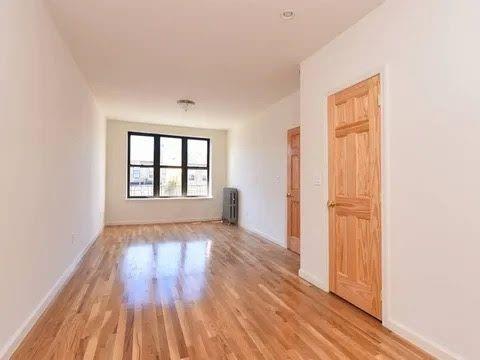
157 166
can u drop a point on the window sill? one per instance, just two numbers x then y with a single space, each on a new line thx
171 198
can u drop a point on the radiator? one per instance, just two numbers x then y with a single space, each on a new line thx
230 205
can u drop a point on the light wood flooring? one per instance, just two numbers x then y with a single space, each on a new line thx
201 291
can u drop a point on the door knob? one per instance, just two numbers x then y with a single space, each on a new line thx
289 195
331 204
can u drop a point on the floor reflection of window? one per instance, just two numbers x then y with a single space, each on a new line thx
137 272
197 254
168 262
195 257
165 272
169 259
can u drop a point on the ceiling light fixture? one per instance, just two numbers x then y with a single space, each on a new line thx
186 104
288 14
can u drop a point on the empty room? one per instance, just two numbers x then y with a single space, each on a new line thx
269 179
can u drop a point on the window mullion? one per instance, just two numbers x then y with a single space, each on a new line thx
156 166
128 168
208 166
184 166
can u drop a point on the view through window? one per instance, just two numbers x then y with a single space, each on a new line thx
167 166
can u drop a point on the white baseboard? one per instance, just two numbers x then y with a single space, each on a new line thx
427 345
9 348
161 221
314 280
263 236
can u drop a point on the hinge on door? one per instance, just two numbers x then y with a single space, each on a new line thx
379 99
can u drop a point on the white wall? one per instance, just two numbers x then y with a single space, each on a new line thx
120 210
431 163
258 168
52 149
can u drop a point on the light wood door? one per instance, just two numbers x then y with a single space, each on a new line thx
293 190
354 195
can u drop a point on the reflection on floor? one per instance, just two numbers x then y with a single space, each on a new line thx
168 263
200 291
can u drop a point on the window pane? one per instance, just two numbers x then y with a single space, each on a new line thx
170 182
197 152
141 150
170 151
197 182
141 181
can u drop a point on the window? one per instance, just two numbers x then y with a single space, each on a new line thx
162 166
171 166
197 167
141 166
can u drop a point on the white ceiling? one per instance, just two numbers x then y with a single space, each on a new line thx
233 57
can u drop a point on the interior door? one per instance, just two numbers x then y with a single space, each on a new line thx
354 195
293 190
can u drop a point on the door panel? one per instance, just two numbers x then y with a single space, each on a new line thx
362 166
295 215
341 168
293 190
354 195
295 178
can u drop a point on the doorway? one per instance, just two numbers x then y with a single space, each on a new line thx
354 195
293 190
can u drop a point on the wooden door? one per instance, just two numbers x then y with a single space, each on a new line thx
354 195
293 190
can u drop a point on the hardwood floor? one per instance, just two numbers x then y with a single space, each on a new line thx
201 291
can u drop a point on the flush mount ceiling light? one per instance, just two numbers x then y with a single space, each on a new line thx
288 14
186 104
